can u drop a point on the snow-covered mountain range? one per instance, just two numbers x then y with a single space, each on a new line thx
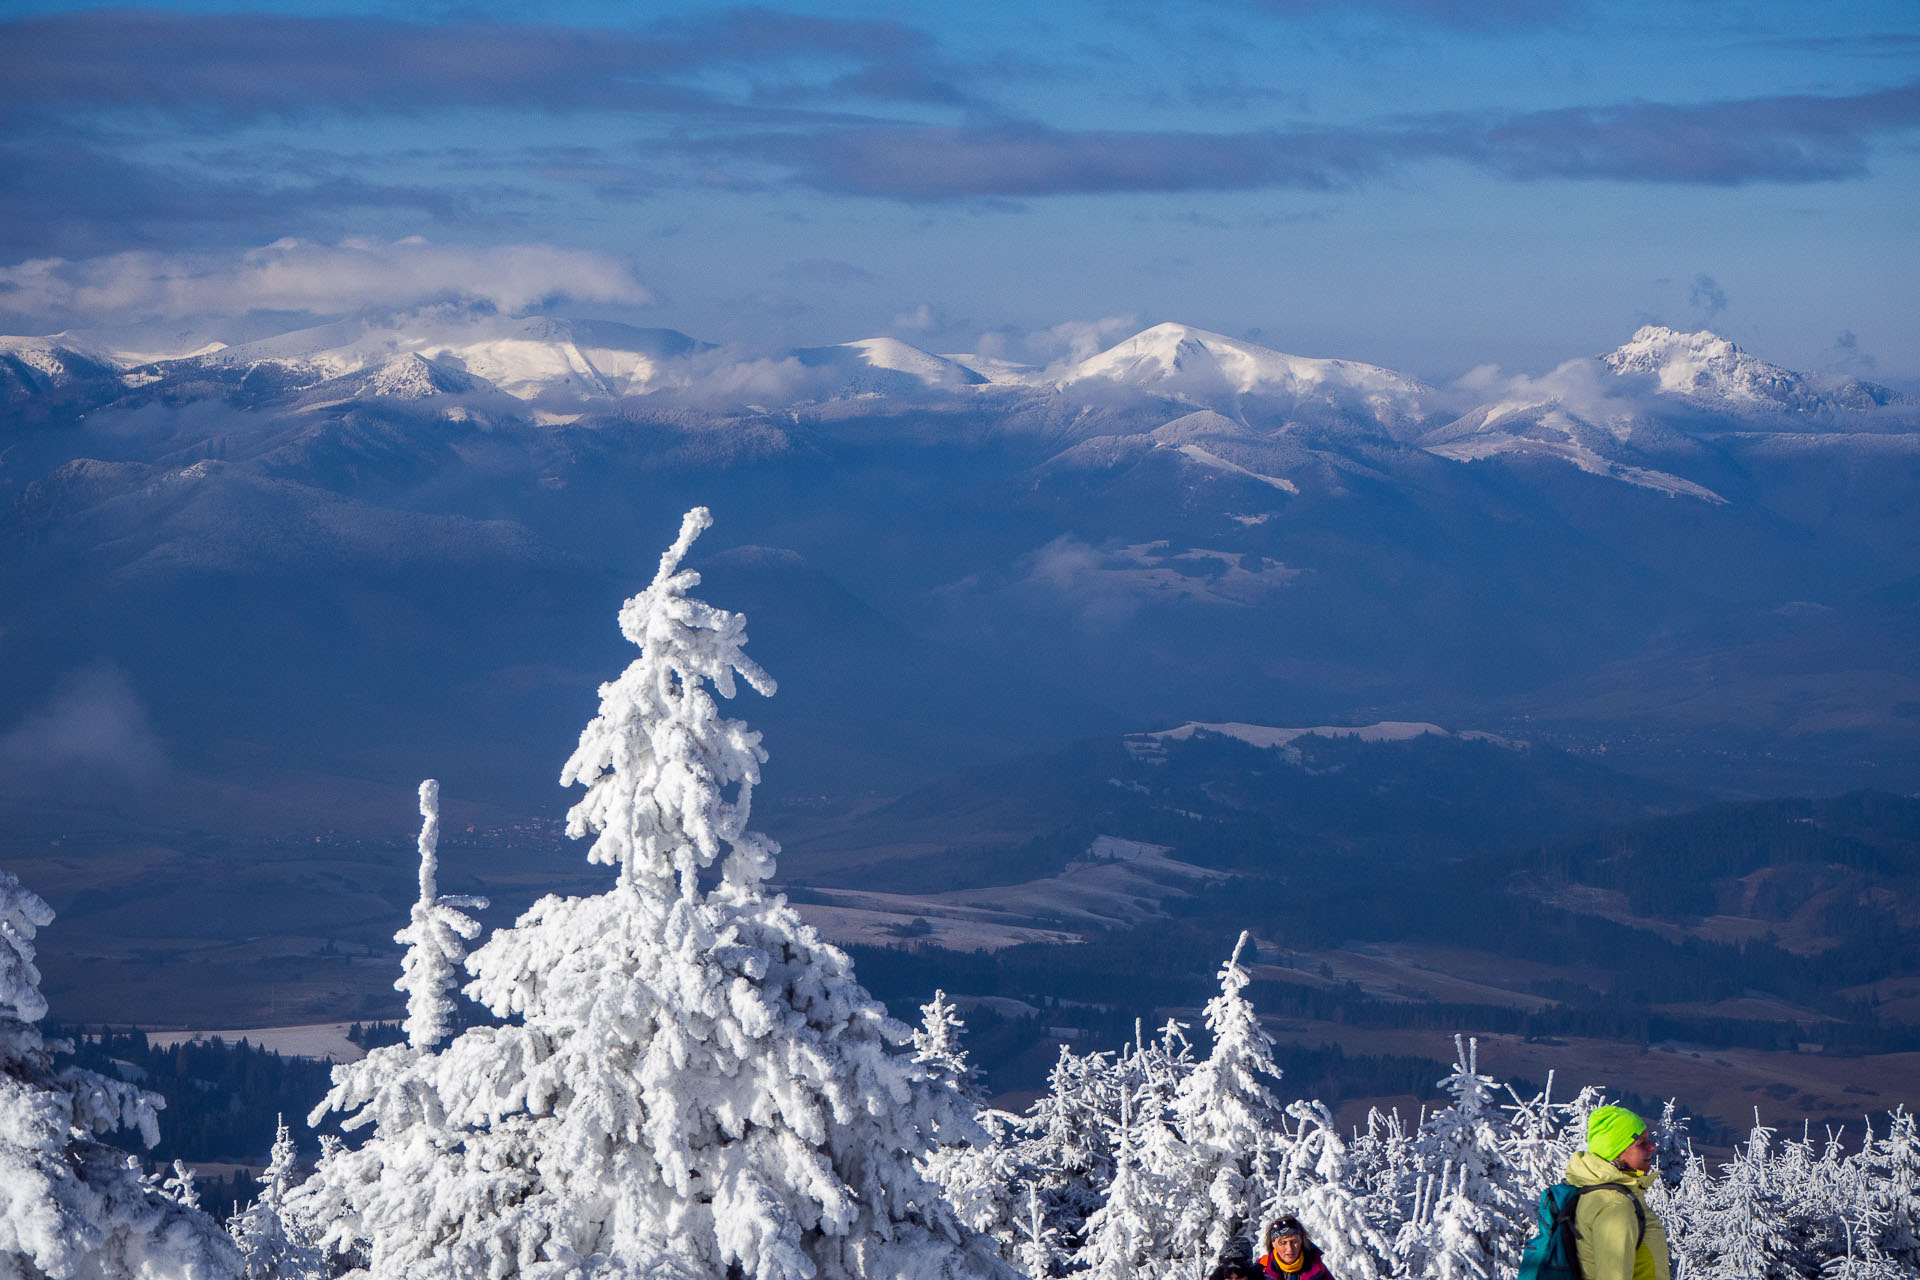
1185 526
1632 415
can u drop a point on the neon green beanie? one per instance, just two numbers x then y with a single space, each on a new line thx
1611 1130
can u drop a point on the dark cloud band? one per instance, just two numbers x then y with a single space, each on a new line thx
251 64
1790 139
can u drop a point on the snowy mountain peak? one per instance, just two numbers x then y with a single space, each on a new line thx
935 371
53 358
1702 364
882 367
1200 367
414 377
1707 369
1174 353
526 356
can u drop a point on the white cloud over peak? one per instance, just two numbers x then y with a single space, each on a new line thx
1583 386
304 276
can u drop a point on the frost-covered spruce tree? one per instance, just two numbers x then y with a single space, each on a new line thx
273 1246
1538 1141
1734 1227
1891 1183
690 1083
1326 1190
1068 1153
1469 1220
386 1203
436 937
1226 1111
1126 1237
71 1207
979 1178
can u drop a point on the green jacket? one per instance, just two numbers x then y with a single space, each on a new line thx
1608 1225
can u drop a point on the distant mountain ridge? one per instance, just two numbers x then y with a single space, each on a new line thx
1185 526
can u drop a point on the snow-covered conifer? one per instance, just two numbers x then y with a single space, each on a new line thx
1469 1220
1891 1177
690 1081
1539 1140
1734 1227
937 1046
1036 1249
1067 1151
1126 1237
1226 1111
435 939
356 1203
271 1246
1326 1191
69 1204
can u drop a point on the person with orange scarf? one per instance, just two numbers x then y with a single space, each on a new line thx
1290 1255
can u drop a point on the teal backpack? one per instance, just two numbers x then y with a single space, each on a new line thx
1552 1253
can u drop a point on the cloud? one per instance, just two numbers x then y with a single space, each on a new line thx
93 729
1849 355
1072 341
1071 572
250 65
918 320
1583 386
1028 160
1791 139
1707 295
302 276
62 194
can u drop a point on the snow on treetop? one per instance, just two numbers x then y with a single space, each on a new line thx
658 760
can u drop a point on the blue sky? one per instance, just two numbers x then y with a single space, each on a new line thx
1428 184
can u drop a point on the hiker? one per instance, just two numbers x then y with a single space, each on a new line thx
1290 1255
1236 1262
1619 1237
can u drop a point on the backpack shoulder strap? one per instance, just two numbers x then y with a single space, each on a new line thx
1639 1210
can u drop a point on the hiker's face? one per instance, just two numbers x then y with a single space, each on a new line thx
1287 1248
1639 1156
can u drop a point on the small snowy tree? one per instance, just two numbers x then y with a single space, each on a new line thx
1326 1191
1469 1219
436 938
1735 1229
69 1204
354 1204
1226 1111
1127 1235
271 1247
1891 1183
1067 1154
937 1046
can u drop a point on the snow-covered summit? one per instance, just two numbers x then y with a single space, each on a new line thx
1707 368
1193 364
525 356
39 364
1272 738
884 366
405 377
1168 353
